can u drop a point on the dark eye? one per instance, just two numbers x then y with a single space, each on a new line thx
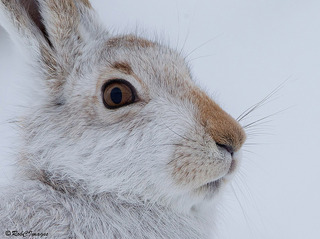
117 93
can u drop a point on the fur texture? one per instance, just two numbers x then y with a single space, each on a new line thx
151 169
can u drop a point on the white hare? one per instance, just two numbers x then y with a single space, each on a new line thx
124 144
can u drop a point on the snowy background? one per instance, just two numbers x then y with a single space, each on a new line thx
240 51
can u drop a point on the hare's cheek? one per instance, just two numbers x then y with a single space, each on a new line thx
196 165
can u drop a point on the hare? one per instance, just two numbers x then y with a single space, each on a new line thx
123 143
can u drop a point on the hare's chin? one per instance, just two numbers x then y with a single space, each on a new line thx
209 189
214 186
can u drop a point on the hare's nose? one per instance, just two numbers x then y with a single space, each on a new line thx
225 131
229 148
222 128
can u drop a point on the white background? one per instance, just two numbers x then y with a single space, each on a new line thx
240 51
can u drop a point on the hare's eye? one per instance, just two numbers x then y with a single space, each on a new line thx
117 93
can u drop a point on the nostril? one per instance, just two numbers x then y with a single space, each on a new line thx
226 147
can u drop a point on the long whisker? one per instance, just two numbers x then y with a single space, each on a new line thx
254 123
183 137
185 41
201 45
199 57
188 32
250 144
178 15
241 207
261 102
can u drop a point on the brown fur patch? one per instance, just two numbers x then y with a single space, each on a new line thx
54 74
18 13
139 41
221 126
193 167
49 62
32 8
86 3
64 21
124 67
129 41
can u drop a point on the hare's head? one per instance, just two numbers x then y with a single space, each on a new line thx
121 114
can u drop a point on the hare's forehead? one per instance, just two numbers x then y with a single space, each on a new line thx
153 65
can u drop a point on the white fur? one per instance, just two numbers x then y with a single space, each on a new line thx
91 172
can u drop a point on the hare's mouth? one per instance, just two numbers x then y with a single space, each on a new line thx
210 189
212 186
233 167
215 185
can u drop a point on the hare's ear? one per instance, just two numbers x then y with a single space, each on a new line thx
52 32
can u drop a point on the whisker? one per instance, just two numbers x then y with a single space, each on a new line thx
247 194
264 118
249 151
242 208
188 33
201 45
178 15
257 143
249 144
204 56
183 137
261 102
254 123
262 127
258 134
184 42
